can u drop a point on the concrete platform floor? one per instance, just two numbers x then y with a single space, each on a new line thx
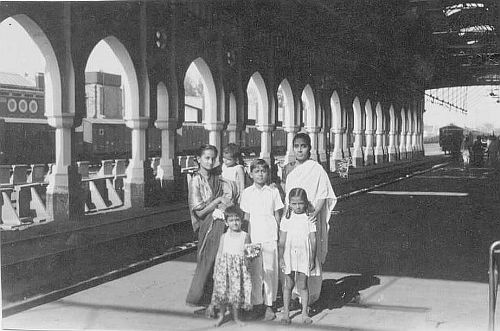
153 299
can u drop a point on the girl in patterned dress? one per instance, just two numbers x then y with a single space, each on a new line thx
232 282
297 252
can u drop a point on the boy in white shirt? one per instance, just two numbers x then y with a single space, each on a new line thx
261 204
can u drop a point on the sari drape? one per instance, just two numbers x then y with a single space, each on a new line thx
311 177
202 191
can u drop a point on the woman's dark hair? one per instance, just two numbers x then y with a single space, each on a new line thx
300 193
306 138
207 147
234 151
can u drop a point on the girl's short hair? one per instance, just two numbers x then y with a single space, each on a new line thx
207 147
298 192
233 210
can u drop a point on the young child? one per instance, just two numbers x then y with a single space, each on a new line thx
232 280
261 204
232 167
297 252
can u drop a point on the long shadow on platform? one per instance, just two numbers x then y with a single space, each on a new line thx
336 293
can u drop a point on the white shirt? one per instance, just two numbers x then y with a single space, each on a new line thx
261 203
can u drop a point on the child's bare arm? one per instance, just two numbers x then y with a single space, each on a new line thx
281 244
247 239
277 216
312 256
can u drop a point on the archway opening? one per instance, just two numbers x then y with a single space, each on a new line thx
111 96
30 89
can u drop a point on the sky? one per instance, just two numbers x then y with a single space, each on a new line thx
483 110
19 54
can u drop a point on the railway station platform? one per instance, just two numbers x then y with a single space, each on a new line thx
428 242
41 262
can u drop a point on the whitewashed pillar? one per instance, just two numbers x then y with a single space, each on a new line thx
322 146
165 170
62 191
337 152
345 144
215 134
402 140
414 139
313 133
135 181
290 133
357 155
265 141
409 135
391 149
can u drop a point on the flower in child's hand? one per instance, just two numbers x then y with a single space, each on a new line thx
252 250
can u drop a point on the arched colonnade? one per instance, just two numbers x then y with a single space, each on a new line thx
382 131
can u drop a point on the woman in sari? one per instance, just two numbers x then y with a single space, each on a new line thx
310 176
209 195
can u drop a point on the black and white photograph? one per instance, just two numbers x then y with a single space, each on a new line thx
187 165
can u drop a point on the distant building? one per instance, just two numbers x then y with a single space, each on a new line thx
193 109
21 98
104 97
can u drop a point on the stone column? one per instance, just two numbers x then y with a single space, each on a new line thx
215 134
165 170
290 133
345 144
369 154
414 140
379 146
402 139
337 153
409 131
391 149
63 196
313 133
60 183
232 132
135 183
265 141
357 155
322 147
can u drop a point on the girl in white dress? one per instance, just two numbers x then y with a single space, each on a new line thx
297 252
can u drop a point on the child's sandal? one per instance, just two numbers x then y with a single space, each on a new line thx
307 320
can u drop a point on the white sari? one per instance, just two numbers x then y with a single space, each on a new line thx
311 177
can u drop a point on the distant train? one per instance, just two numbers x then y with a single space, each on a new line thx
450 139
